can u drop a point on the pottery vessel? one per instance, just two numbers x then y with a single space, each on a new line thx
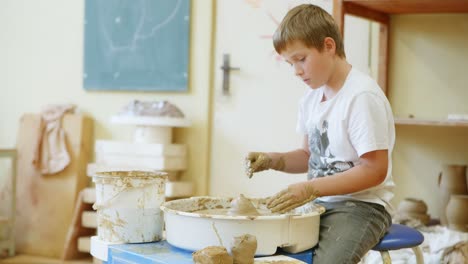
457 213
412 205
452 180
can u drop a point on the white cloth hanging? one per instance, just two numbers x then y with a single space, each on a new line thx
52 155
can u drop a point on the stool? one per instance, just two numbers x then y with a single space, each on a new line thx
398 237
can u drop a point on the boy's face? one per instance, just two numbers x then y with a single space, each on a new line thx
312 66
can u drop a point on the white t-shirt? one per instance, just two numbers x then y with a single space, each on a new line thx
357 120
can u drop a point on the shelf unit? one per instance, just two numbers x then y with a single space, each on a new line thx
423 122
380 11
8 222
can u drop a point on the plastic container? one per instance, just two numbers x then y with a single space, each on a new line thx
128 205
294 232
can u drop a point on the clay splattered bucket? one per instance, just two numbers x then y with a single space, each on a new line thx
128 205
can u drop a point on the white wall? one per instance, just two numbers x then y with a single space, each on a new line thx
41 62
41 51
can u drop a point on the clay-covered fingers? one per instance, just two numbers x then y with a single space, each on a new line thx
255 162
293 206
248 168
294 196
280 201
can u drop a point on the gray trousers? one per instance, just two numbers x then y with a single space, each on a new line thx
348 230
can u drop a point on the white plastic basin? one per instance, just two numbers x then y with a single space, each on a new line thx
294 232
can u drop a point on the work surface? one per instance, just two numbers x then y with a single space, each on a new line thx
163 253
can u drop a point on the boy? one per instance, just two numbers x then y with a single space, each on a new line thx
349 135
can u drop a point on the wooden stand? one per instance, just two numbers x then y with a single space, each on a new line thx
45 202
8 222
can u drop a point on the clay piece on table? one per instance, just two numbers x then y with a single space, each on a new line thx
457 253
412 212
242 206
243 249
151 108
212 255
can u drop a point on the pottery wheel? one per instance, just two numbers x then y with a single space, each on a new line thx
239 206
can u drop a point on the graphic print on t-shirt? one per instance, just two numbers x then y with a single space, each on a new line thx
322 162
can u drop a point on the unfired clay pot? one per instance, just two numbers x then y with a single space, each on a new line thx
457 213
412 205
452 180
411 208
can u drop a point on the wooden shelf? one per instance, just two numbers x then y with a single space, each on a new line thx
381 10
412 6
425 122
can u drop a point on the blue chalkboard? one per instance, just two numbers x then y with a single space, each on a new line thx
138 45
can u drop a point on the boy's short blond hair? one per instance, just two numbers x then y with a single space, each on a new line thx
309 24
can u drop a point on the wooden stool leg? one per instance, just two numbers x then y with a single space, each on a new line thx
419 256
385 257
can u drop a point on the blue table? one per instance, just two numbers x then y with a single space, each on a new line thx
163 253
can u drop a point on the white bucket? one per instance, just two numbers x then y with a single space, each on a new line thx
127 204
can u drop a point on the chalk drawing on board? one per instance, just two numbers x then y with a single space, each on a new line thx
136 45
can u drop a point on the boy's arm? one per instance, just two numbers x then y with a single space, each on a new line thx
295 161
370 171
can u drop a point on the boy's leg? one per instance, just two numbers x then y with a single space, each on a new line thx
348 230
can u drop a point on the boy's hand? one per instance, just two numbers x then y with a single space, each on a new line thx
257 161
294 196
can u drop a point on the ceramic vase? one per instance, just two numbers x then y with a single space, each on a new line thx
457 212
452 180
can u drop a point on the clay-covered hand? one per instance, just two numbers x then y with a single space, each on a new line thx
294 196
257 161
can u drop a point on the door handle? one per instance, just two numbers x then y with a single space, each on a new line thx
226 67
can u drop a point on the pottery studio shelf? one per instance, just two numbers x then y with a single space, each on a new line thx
381 11
409 6
427 122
